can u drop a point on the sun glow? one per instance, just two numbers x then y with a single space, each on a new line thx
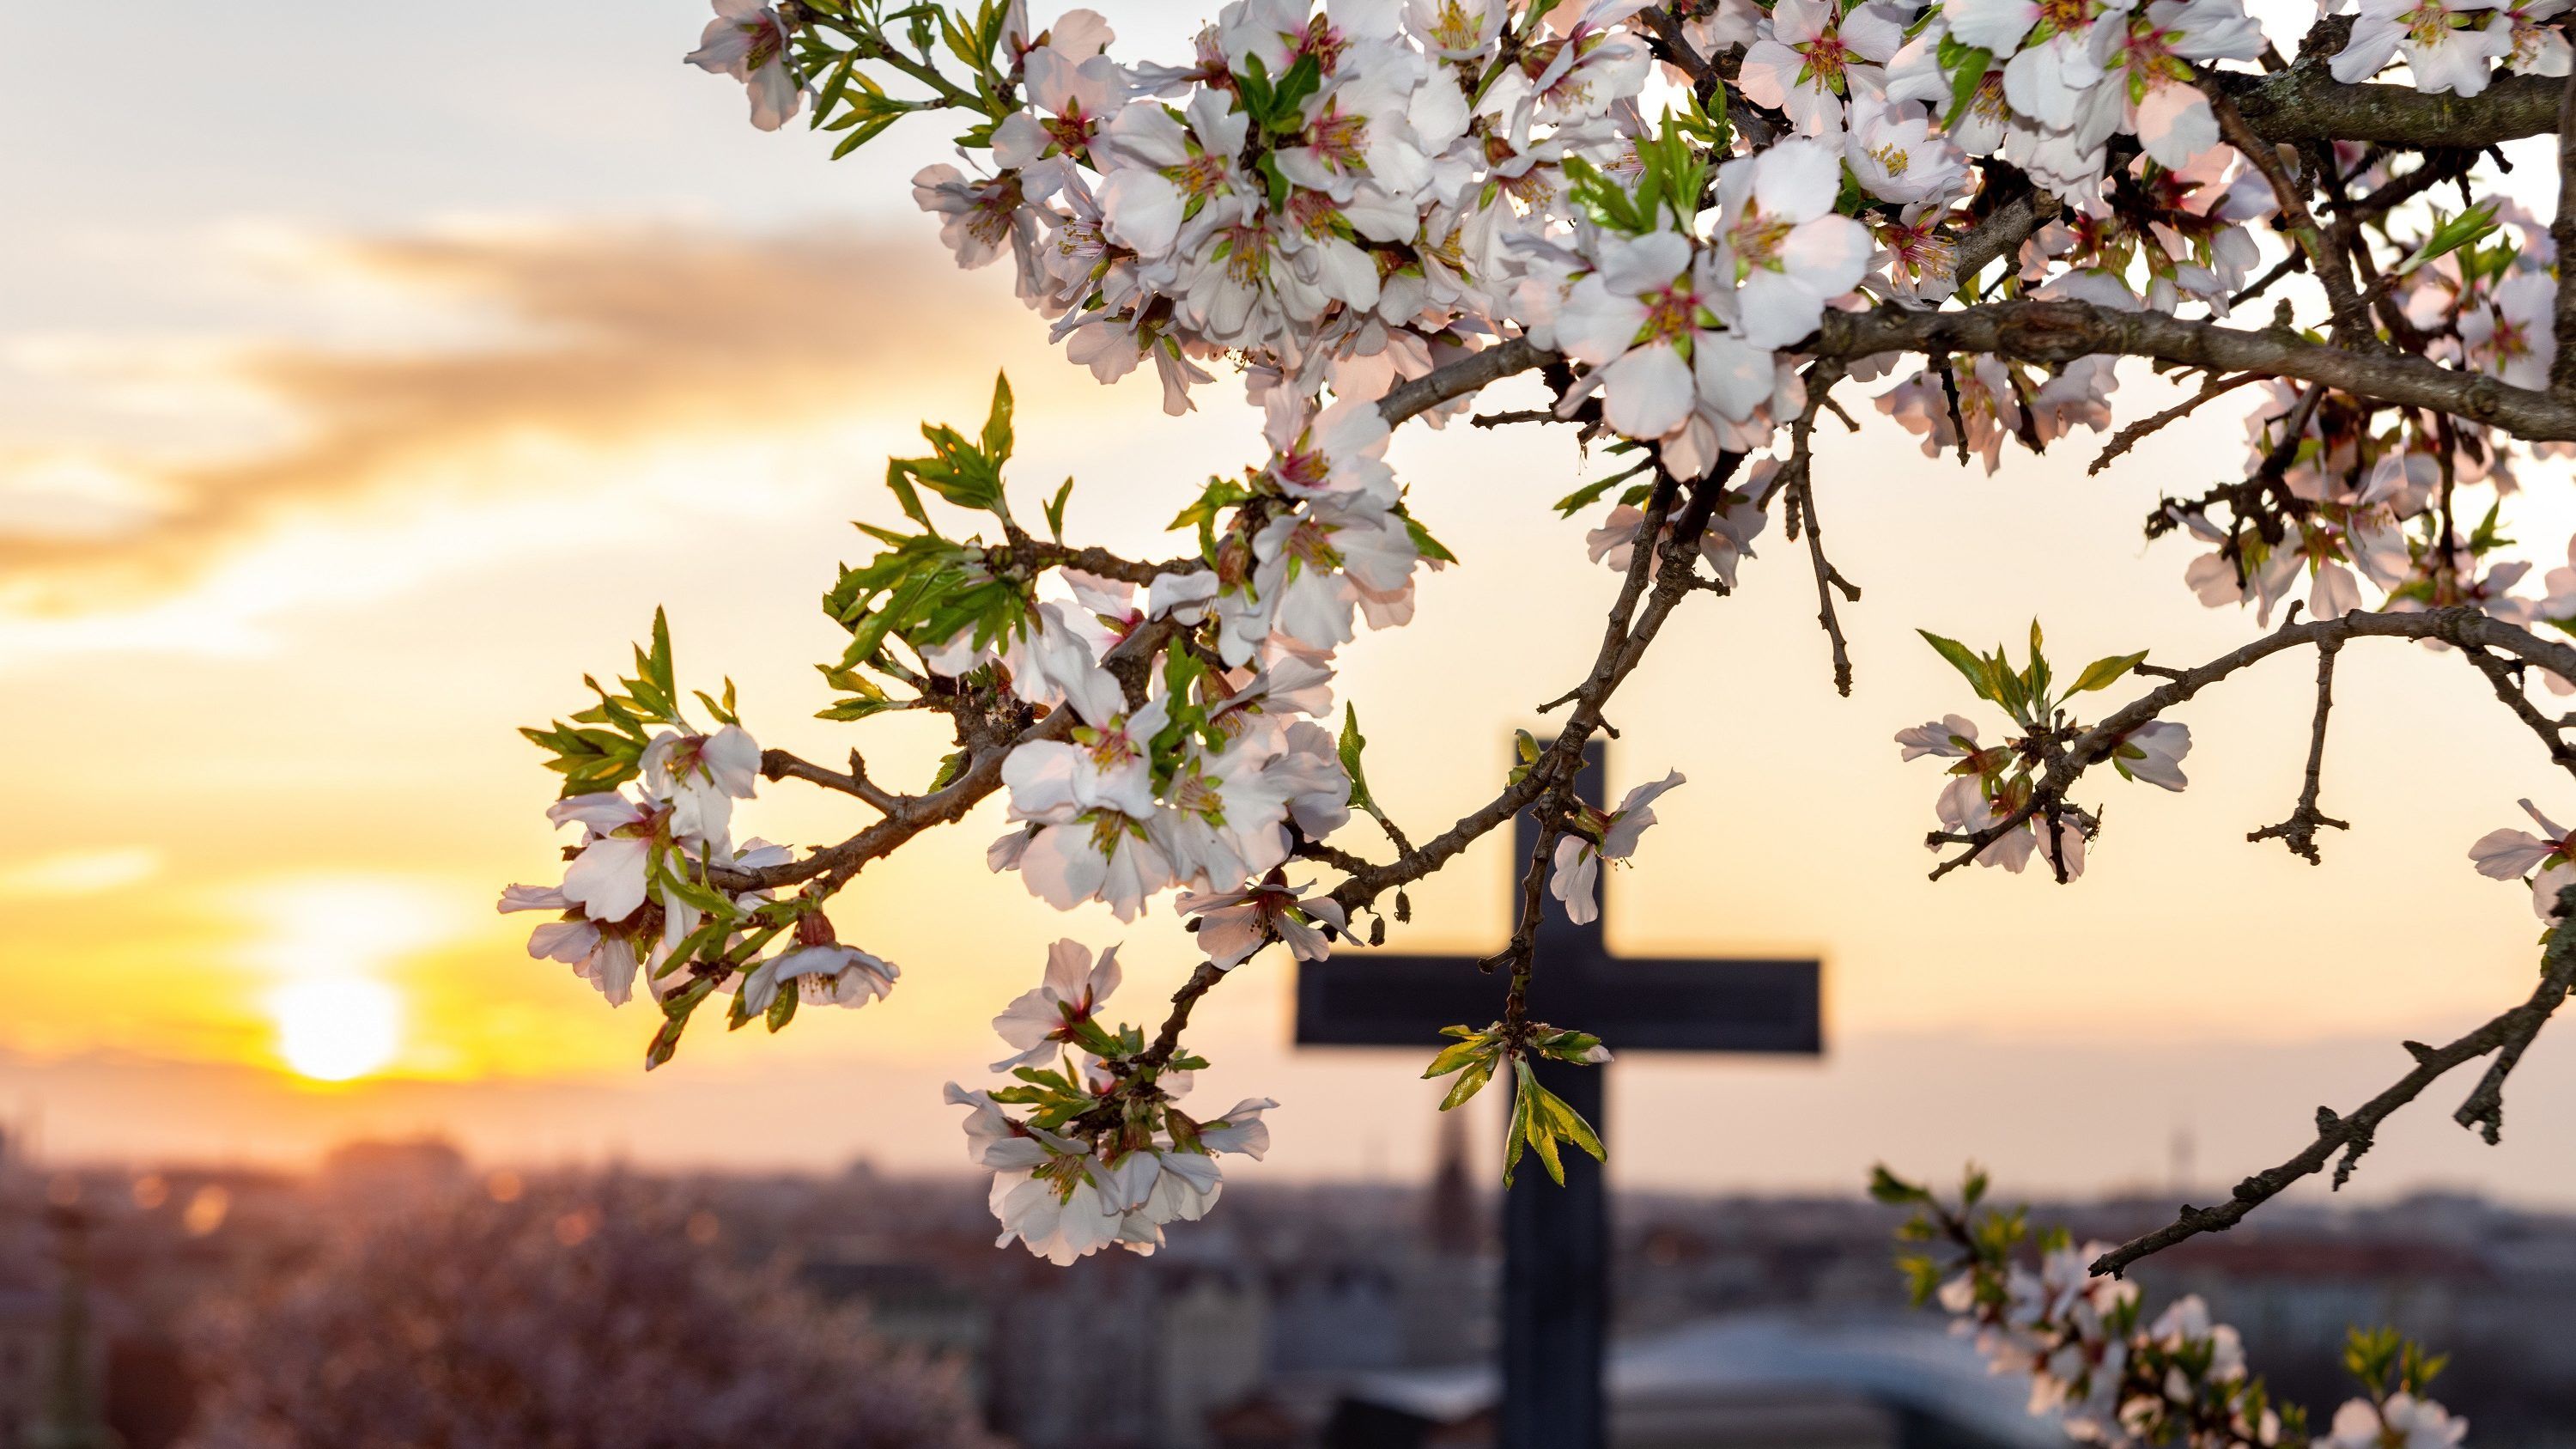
336 1029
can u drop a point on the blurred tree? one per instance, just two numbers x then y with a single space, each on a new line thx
580 1316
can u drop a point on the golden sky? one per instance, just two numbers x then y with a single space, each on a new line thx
329 453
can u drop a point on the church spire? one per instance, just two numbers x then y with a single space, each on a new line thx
1450 1224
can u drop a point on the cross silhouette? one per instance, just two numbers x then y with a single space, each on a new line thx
1557 1240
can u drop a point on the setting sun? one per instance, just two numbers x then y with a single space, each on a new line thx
336 1030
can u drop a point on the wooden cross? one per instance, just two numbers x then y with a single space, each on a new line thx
1557 1240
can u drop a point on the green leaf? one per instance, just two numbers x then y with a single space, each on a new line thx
900 484
1584 497
2469 227
782 1010
1423 543
2104 672
950 767
677 1008
1252 87
1304 78
832 88
1352 744
997 423
1569 1125
1887 1187
658 668
1516 1136
1469 1083
1055 510
865 132
1970 73
1456 1056
1964 660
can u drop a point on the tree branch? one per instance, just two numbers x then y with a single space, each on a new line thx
2137 432
2299 832
2461 627
2059 331
2327 258
2306 103
2507 1035
2562 231
833 865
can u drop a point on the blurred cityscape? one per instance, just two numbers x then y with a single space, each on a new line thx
404 1297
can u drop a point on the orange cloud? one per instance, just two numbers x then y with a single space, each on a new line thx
589 337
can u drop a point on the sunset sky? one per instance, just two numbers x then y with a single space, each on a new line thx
368 375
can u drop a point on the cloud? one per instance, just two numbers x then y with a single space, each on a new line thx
80 872
557 339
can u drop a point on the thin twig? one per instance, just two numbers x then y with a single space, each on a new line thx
2351 1134
2299 832
1800 476
2459 626
2326 254
2137 432
2552 734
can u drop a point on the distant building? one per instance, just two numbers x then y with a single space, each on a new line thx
1750 1381
1191 1342
26 1341
909 1299
393 1175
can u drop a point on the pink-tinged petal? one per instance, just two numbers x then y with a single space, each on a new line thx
1647 393
1874 32
1650 261
533 898
2336 592
1775 310
1068 967
607 879
1104 977
1996 25
1578 871
1800 21
2175 124
1735 377
733 758
1829 255
601 812
565 941
775 96
2509 854
1798 179
1769 73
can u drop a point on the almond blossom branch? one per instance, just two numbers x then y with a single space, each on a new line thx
2003 230
2461 627
1168 1040
2061 331
834 865
2507 1035
1623 646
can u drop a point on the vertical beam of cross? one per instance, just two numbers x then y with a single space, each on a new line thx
1556 1263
